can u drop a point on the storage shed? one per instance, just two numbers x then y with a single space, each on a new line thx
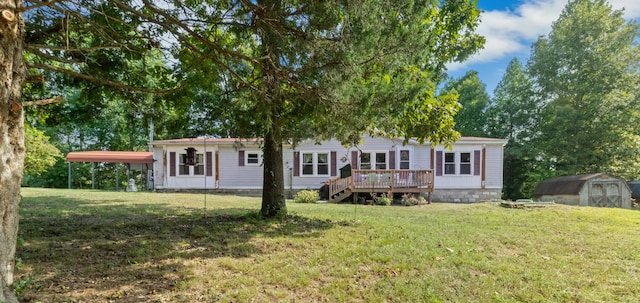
635 190
599 190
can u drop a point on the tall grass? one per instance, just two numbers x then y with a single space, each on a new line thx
95 246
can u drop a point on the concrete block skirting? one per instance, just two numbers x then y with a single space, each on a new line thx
465 195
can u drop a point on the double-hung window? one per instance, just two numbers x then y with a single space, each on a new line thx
315 164
465 163
404 159
457 163
373 160
187 170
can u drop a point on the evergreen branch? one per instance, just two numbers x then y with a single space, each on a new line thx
93 79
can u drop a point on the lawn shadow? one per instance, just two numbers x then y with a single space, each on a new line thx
79 250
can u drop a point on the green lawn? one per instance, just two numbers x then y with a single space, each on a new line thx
96 246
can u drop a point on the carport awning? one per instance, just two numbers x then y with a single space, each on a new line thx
110 156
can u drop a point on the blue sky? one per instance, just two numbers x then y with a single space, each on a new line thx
510 28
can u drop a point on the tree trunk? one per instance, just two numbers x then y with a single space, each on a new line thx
273 201
12 151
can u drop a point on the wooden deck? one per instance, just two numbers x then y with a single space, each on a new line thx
381 181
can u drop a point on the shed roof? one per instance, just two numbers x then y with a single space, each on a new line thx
110 156
565 185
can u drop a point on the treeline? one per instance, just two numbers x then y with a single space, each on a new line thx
572 108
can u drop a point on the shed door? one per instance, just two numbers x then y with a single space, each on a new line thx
605 194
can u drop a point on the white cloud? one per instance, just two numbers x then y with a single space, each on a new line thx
631 7
510 33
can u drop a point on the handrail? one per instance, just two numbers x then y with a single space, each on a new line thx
392 178
339 184
383 178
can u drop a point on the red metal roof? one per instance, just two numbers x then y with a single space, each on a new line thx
110 156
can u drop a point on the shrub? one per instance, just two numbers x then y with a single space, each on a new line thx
382 200
307 196
411 200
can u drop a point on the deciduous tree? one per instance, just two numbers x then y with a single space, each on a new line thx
472 118
586 71
514 114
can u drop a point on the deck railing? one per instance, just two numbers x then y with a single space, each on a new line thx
387 179
392 178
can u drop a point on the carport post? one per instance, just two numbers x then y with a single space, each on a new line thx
117 176
69 176
93 175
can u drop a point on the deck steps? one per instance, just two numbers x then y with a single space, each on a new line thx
341 195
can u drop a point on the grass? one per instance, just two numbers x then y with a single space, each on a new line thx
95 246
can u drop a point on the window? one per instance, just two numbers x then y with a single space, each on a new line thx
404 159
198 169
323 164
465 163
457 163
307 164
373 160
315 164
253 158
185 170
449 163
381 160
365 161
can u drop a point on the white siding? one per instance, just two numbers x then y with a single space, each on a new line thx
421 157
458 181
188 182
315 182
494 160
234 176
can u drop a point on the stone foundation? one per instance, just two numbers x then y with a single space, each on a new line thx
465 195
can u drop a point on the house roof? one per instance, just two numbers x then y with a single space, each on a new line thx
110 156
566 185
182 141
207 140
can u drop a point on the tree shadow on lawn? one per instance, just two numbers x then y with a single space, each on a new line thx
77 250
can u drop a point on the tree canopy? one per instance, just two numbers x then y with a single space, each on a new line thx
587 74
288 70
472 95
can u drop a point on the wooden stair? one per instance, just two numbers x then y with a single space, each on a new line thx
340 196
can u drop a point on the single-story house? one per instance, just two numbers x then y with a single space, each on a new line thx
469 171
600 190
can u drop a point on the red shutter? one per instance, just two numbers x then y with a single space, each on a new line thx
209 161
392 159
172 164
354 159
334 159
241 158
439 163
476 162
296 164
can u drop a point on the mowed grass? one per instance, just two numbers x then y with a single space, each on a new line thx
96 246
